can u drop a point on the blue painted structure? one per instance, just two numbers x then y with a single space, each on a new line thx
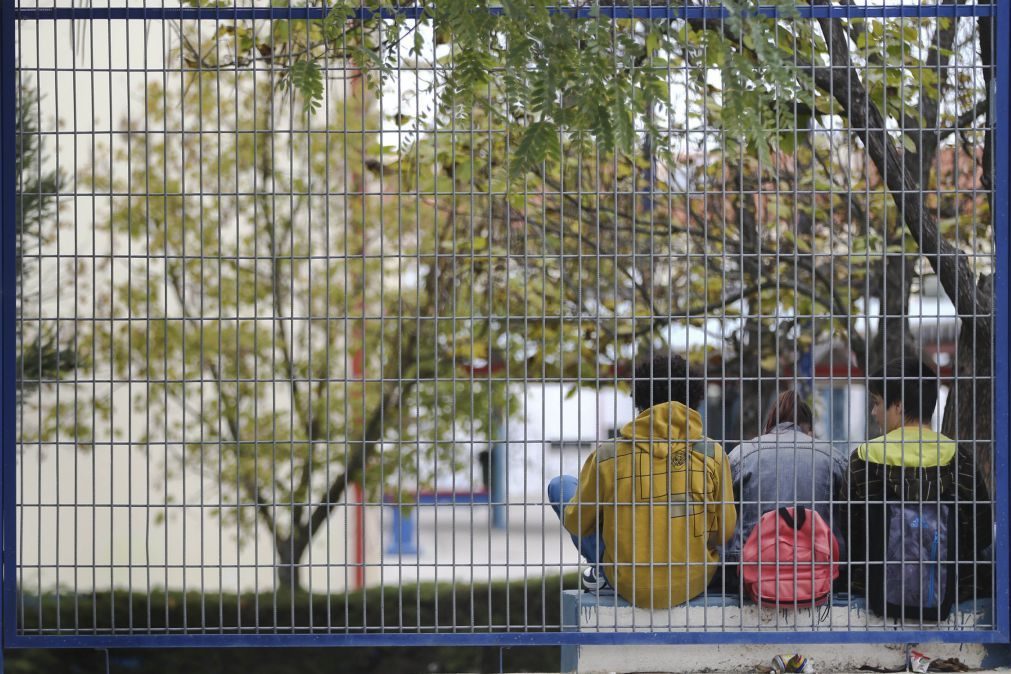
403 531
8 313
403 535
10 16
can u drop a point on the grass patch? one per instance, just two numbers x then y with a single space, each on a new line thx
523 605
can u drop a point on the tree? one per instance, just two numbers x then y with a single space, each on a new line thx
300 326
946 104
905 157
43 355
806 223
552 239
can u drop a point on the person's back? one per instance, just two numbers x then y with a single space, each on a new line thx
911 512
660 497
669 491
784 467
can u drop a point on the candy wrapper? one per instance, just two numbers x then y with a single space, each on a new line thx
918 662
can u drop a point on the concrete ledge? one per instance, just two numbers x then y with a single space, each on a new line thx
608 613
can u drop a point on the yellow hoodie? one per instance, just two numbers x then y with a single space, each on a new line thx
663 498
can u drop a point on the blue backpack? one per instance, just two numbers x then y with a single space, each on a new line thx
915 579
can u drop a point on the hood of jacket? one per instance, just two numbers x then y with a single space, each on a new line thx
661 426
909 446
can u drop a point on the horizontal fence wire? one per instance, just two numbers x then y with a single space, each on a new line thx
338 325
671 11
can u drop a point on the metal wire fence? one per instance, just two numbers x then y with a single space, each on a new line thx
300 348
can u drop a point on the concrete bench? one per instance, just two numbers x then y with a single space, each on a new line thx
608 613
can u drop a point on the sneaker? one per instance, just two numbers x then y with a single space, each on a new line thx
592 581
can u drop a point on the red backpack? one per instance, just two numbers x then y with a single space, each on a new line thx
799 559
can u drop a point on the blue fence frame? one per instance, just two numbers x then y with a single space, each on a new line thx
8 310
1001 634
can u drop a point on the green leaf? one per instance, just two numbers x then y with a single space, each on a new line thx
307 79
280 32
539 141
652 42
624 125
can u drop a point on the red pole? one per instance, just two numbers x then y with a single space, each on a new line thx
359 559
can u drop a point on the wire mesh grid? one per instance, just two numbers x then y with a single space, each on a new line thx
302 348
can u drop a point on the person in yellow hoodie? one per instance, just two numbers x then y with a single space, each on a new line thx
918 513
651 507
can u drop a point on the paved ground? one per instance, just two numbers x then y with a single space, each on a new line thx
458 544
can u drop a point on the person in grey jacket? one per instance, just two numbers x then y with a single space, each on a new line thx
785 466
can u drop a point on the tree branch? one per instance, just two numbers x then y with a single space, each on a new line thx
263 506
839 80
927 139
394 392
966 119
264 161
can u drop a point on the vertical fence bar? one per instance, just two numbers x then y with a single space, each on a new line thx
1002 233
8 319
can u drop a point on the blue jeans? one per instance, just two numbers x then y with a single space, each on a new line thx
561 490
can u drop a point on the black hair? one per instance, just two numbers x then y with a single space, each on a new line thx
663 377
910 382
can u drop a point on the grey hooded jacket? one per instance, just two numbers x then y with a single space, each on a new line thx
783 468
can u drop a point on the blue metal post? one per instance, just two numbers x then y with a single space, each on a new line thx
498 485
8 310
999 117
498 470
405 530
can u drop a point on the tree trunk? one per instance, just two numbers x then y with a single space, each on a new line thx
758 391
892 339
758 387
398 386
891 285
968 414
289 572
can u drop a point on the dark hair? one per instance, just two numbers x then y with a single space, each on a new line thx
910 382
664 377
789 408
